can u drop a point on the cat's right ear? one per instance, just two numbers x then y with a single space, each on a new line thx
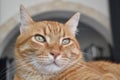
73 22
25 19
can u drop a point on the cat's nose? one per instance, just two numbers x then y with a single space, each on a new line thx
55 53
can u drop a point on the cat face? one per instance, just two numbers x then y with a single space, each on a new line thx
47 46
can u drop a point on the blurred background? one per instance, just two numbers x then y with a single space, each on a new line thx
99 31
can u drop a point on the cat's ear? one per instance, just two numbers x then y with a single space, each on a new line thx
73 22
25 19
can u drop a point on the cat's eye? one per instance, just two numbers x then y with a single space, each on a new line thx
65 41
40 38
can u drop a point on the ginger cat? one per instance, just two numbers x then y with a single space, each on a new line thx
48 50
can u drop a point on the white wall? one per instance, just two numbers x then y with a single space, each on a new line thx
8 8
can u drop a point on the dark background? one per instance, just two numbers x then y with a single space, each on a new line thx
115 25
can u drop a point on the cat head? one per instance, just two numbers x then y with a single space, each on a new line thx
48 46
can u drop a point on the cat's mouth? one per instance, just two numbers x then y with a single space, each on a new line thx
55 63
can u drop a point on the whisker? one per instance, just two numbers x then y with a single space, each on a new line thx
42 56
1 72
11 68
5 69
11 71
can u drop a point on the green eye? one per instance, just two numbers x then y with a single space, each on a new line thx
66 41
40 38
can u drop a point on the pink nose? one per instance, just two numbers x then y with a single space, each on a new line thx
55 53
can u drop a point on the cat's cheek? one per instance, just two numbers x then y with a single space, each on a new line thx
75 53
68 55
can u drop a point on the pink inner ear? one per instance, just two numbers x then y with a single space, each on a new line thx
72 23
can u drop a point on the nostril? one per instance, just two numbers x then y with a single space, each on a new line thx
54 54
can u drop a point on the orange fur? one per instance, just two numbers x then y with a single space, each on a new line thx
52 60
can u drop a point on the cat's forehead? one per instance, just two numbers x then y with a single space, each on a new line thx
50 24
52 28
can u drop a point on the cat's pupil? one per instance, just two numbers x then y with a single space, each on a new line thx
65 41
40 38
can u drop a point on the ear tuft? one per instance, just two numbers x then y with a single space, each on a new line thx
72 23
24 18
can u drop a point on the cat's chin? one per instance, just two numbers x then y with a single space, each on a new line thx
51 68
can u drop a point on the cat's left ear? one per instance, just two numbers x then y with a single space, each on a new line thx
25 19
72 23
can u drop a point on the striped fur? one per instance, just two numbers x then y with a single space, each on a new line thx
34 60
